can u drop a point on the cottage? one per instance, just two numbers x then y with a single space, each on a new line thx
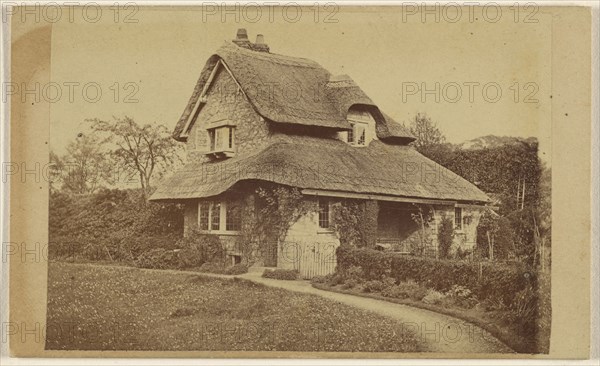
257 118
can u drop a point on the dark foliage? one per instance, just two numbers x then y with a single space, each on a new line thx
355 221
445 236
498 170
115 225
491 280
281 274
158 258
497 230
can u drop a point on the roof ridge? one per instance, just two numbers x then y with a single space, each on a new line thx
270 56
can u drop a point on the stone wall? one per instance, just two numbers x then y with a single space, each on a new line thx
225 101
307 247
464 239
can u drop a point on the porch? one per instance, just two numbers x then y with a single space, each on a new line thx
399 229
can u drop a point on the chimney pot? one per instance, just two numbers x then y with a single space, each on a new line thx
242 34
260 39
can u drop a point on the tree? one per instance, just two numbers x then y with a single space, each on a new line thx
495 237
144 150
426 132
54 172
83 168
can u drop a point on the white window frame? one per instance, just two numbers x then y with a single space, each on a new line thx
462 224
364 121
229 137
222 218
328 202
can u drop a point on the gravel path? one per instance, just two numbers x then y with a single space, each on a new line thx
437 332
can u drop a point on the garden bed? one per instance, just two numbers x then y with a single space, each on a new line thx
510 299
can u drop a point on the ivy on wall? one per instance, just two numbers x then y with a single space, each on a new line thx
445 236
267 216
355 222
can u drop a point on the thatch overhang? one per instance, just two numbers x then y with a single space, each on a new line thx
290 90
314 163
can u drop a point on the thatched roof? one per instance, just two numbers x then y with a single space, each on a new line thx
325 164
292 90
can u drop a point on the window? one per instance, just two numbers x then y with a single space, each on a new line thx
458 218
323 214
358 134
233 219
219 216
215 222
350 138
221 138
363 127
204 214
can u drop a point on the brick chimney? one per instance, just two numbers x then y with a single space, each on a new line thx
241 39
260 44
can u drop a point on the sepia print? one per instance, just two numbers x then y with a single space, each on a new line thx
281 180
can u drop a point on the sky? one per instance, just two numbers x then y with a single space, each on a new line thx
147 70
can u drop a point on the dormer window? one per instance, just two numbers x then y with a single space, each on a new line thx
363 128
357 135
222 141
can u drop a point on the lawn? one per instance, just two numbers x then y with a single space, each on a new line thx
94 307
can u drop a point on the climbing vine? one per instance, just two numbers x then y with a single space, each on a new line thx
422 217
445 236
266 218
355 222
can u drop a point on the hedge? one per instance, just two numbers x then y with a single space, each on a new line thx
497 280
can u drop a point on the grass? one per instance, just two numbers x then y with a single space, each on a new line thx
94 307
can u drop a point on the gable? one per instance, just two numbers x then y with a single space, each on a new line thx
224 104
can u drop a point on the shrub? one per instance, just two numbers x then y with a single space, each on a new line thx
349 283
524 311
335 279
445 236
190 258
434 297
373 286
115 225
406 290
281 274
158 258
374 264
354 273
321 279
388 281
493 279
211 267
236 269
462 296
